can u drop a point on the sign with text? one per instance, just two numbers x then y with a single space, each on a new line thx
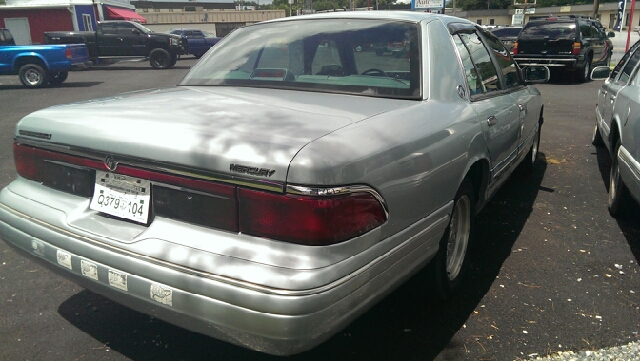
427 4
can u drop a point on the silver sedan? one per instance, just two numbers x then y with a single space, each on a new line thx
288 182
618 128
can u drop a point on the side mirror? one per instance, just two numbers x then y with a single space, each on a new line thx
611 34
536 74
600 72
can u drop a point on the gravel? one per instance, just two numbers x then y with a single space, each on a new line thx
629 352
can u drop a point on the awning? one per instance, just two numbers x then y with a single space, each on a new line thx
124 14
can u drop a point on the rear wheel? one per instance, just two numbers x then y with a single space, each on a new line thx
584 74
33 76
160 59
452 260
529 162
59 77
619 198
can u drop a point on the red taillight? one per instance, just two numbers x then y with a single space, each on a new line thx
576 49
67 53
515 48
308 220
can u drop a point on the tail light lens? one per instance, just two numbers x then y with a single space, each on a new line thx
67 53
307 220
576 48
515 48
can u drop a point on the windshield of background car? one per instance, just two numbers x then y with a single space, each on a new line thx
551 30
366 57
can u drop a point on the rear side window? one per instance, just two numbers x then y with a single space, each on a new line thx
109 29
481 74
552 30
505 62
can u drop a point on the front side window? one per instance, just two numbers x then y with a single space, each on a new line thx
625 74
367 57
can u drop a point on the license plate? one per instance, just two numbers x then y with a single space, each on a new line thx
122 196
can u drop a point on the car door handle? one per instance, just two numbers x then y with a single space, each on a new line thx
492 121
523 107
613 97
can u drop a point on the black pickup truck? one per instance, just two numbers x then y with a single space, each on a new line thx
123 40
572 43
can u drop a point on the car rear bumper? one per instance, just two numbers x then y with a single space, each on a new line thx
82 66
552 62
275 321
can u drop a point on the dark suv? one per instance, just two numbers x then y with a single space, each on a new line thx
574 43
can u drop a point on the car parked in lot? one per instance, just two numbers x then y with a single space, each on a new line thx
507 34
199 43
298 182
40 65
115 40
618 128
570 43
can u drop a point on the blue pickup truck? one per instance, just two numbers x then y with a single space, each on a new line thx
40 65
199 42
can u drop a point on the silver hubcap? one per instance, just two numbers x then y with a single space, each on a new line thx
32 77
534 148
458 237
586 71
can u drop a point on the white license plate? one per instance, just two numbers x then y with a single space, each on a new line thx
122 196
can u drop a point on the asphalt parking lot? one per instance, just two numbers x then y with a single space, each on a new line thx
552 271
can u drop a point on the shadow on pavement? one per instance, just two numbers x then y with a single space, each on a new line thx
410 324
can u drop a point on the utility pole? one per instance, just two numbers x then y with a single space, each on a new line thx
596 7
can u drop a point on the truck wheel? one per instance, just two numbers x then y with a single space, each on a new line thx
58 78
33 76
174 60
160 59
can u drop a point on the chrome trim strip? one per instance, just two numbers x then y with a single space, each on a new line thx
264 184
328 192
223 279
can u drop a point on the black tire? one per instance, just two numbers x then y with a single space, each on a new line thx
160 59
451 262
528 163
174 60
58 78
583 74
33 76
619 200
596 138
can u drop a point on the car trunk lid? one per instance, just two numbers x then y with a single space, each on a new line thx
208 128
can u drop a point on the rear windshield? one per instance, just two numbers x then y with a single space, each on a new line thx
367 57
551 30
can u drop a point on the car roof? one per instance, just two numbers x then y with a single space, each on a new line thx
398 15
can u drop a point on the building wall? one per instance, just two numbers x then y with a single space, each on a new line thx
209 16
85 10
41 20
607 13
